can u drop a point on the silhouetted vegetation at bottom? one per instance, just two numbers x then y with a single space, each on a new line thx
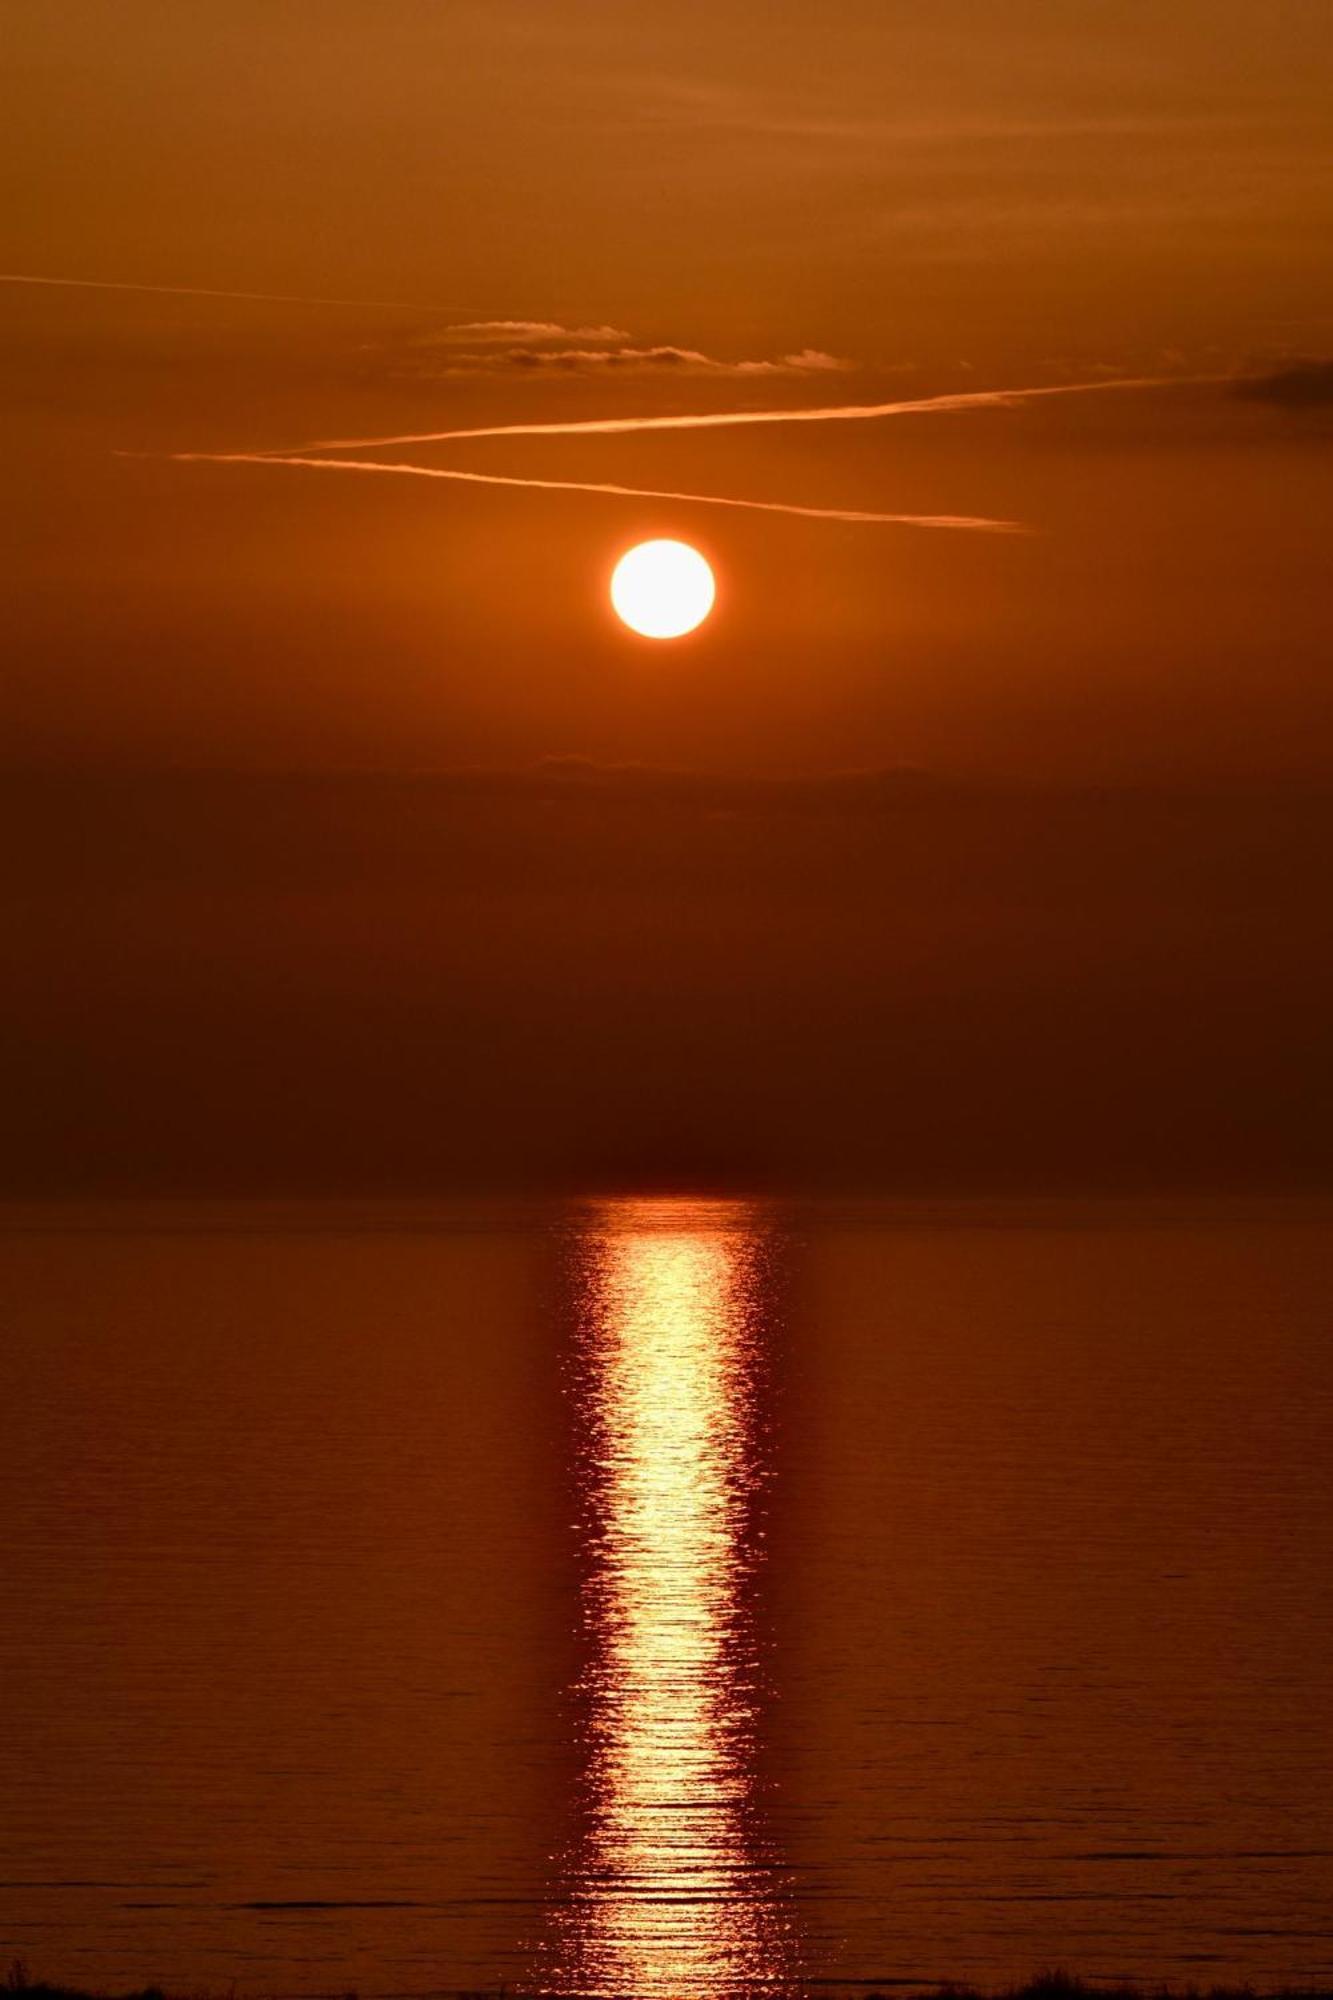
1045 1986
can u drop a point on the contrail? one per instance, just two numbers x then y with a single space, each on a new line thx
968 399
202 292
976 523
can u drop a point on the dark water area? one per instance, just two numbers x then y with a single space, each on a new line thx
669 1598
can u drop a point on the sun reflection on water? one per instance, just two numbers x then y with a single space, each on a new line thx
670 1890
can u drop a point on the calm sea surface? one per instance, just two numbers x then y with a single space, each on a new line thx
670 1599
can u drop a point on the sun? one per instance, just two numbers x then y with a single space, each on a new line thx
662 589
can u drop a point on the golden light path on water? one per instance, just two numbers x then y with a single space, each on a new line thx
669 1890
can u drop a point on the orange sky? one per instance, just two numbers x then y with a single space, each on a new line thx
569 209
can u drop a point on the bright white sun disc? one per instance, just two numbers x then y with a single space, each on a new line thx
662 589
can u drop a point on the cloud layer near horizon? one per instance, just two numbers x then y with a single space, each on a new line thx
377 981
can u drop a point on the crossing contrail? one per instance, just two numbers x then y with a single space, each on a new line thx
966 399
976 523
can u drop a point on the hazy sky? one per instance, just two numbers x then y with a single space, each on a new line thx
570 209
308 220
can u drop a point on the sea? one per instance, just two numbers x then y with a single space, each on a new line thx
666 1597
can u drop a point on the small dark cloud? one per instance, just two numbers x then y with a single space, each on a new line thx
1300 385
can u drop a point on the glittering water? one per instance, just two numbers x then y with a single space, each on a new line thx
677 1599
671 1885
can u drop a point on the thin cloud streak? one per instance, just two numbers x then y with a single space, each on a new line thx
969 399
630 360
203 292
975 523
